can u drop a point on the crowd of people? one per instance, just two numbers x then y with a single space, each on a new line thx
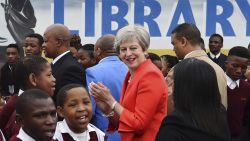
115 90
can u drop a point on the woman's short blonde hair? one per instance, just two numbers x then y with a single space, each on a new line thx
131 32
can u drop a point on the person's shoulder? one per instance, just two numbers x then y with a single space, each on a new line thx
93 127
4 67
100 134
96 68
14 138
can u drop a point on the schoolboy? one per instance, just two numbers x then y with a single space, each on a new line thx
237 92
74 105
36 113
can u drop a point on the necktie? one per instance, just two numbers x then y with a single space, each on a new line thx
215 60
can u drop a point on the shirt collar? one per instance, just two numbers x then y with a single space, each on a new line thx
214 56
20 92
64 128
229 81
24 136
10 67
58 57
1 134
191 53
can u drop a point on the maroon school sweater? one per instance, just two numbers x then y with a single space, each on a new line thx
8 123
238 110
14 138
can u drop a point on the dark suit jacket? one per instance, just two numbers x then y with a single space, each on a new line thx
220 61
7 78
66 71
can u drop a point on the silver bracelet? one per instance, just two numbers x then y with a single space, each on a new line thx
113 106
112 113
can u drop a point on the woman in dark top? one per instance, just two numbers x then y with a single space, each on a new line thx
198 115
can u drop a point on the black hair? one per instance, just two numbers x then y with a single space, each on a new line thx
75 41
217 35
189 31
89 48
27 65
172 60
38 36
153 57
15 46
196 92
63 92
239 51
23 101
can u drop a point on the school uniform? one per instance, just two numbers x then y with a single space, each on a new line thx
63 133
238 111
22 136
7 80
2 136
8 122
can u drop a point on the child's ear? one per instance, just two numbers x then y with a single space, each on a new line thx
32 79
19 119
59 111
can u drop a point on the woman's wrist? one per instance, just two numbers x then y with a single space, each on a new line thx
111 113
111 103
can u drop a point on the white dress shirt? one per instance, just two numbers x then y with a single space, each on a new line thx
24 136
232 84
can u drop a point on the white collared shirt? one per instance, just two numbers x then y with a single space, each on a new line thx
232 84
62 127
24 136
1 134
58 57
214 56
20 92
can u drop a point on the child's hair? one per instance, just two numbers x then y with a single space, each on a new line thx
89 48
62 94
23 101
172 60
27 65
153 57
239 51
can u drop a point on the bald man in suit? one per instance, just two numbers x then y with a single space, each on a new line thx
65 68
